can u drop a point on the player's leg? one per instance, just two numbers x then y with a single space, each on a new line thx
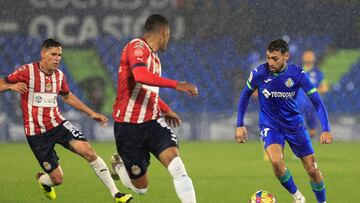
182 182
316 178
131 162
73 140
55 177
274 146
119 171
304 150
43 149
163 144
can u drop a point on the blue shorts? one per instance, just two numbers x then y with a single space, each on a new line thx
299 142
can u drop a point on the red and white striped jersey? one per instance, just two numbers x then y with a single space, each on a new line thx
136 102
39 103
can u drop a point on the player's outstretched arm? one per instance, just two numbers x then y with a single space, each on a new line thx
144 76
17 87
75 102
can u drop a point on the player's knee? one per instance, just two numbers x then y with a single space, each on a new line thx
57 179
140 186
90 155
279 167
313 171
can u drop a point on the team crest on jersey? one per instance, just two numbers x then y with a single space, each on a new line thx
136 170
138 52
47 165
289 83
48 87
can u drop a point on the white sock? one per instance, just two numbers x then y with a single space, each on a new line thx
126 181
46 180
102 172
183 185
297 194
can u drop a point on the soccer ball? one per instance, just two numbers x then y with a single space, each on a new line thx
262 196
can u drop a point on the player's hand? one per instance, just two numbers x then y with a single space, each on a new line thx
19 87
326 138
172 119
100 118
241 134
188 88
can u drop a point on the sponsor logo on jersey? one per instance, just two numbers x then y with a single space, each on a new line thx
136 170
285 95
289 83
266 93
267 80
38 99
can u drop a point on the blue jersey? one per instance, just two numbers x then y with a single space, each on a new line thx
316 77
277 96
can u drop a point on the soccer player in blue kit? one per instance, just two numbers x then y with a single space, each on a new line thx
317 78
278 83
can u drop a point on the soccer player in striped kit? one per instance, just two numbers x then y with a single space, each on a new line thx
140 114
39 84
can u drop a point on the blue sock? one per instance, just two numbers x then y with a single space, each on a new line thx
288 182
320 190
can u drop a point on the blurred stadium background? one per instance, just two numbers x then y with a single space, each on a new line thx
214 45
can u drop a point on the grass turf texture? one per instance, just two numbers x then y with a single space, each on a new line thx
222 172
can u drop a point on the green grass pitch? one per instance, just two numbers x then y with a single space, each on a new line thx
222 172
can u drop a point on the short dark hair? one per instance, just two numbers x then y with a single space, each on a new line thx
48 43
154 21
278 45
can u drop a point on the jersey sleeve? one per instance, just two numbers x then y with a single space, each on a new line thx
21 74
163 106
306 84
254 78
138 54
64 89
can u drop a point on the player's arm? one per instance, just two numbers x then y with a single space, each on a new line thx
171 117
144 76
75 102
17 87
16 81
311 91
138 56
251 84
